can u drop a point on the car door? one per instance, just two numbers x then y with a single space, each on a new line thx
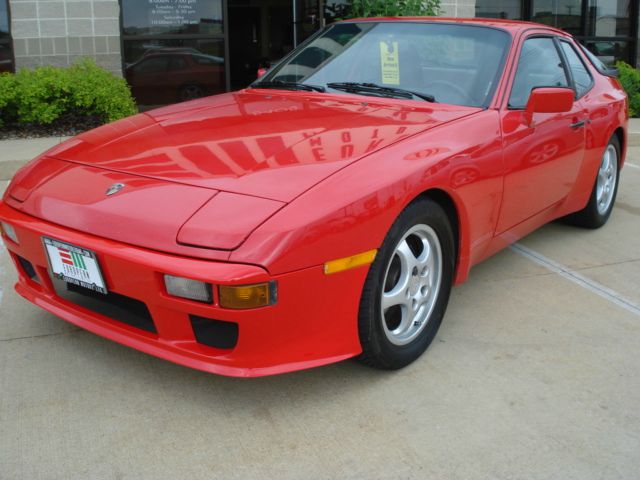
542 159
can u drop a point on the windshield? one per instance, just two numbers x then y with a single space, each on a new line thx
456 64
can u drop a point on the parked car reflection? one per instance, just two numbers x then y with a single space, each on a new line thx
174 74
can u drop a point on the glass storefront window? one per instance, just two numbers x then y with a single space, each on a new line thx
174 70
4 19
564 14
6 57
6 53
309 17
169 17
173 50
335 10
508 9
608 18
134 50
608 51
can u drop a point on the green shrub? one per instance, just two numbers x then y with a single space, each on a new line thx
388 8
630 79
43 95
8 92
98 92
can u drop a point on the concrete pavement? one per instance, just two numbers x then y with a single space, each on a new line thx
15 153
532 376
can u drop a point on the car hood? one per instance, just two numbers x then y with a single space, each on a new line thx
205 174
269 144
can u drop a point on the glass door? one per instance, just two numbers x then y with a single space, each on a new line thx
603 26
260 33
608 29
563 14
6 50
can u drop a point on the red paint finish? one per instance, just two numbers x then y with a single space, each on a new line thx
269 144
229 229
258 185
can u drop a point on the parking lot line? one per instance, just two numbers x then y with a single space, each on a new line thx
578 279
632 165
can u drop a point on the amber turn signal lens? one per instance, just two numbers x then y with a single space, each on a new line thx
335 266
241 297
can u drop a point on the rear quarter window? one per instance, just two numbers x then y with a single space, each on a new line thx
581 76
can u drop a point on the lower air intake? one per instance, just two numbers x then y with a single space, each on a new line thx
214 333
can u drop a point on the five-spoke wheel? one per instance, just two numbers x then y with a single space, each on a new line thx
411 284
603 196
407 287
607 178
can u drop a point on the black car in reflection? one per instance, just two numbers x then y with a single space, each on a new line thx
168 76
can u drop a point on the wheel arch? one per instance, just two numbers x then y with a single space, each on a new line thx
455 215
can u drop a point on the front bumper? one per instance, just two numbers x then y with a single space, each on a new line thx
314 322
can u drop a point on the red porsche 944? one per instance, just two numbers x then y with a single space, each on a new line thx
325 211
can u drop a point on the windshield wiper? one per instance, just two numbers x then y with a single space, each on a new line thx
289 86
356 87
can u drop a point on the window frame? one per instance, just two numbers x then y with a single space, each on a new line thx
568 65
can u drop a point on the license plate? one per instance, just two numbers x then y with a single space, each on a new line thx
75 265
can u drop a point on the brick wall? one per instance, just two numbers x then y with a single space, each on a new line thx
47 32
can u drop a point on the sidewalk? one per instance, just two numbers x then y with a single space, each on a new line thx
634 132
15 153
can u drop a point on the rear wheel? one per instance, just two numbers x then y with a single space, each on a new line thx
605 189
407 289
190 92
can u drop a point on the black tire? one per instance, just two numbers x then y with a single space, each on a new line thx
591 216
377 349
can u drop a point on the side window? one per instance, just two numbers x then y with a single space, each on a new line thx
153 65
178 63
539 66
581 76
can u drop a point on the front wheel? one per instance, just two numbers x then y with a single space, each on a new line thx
407 289
604 192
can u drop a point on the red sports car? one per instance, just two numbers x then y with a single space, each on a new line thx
325 211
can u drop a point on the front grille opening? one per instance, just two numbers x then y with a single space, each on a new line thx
214 333
113 305
27 268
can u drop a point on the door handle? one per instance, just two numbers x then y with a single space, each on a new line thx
579 124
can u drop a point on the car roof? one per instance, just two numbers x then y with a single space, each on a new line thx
512 26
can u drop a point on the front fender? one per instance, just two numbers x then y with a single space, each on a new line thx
352 210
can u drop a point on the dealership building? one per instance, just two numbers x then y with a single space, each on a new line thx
170 50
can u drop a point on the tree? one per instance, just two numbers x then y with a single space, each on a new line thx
390 8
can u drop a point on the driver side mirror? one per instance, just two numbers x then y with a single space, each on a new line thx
548 100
